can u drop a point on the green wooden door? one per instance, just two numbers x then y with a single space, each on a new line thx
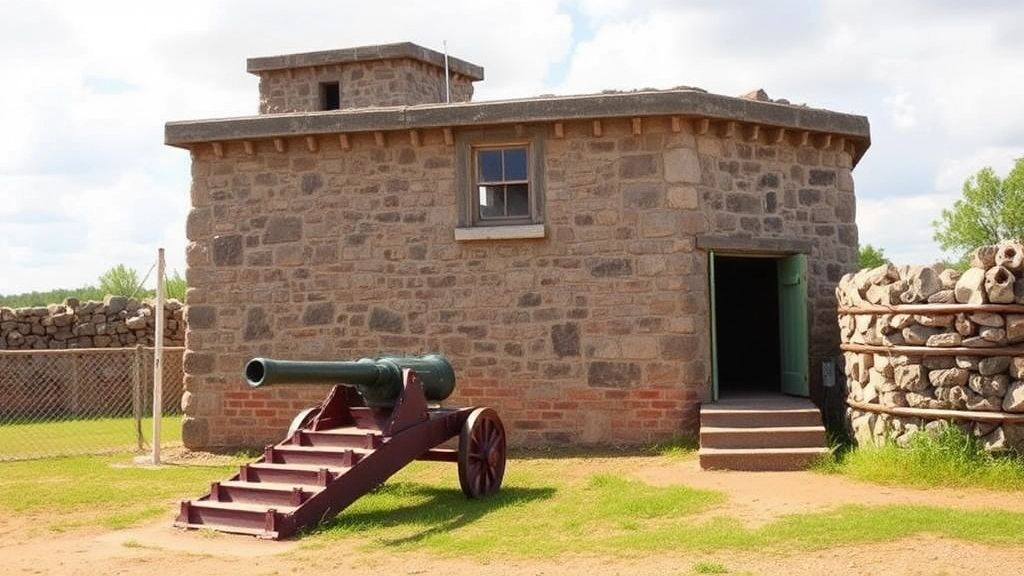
793 324
714 327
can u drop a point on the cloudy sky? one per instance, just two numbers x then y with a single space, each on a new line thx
86 182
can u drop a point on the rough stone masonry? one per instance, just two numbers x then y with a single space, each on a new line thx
114 323
925 345
340 234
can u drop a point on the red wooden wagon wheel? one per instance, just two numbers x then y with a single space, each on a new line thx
481 453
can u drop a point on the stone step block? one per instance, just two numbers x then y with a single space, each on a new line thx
759 459
766 437
758 417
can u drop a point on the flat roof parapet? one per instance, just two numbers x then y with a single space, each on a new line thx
685 103
364 54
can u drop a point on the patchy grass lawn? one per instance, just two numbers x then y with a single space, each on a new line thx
105 490
552 505
549 504
81 436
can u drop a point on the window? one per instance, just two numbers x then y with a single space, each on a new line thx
330 95
500 183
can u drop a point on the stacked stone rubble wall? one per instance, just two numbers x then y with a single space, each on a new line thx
116 322
945 345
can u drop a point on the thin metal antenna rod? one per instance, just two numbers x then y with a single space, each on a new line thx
447 82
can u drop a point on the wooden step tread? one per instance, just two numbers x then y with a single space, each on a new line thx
270 486
345 431
222 528
296 467
323 449
256 508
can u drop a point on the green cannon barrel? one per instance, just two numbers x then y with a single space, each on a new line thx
378 381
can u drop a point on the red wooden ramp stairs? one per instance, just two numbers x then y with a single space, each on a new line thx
338 452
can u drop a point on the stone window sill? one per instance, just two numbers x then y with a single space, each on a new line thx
500 232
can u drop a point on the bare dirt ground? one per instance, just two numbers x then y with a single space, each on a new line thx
755 498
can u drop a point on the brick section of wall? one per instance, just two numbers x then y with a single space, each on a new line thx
114 323
367 84
597 333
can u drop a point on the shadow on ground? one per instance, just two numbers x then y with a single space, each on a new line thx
436 511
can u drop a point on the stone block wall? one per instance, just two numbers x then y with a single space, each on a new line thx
365 84
800 192
596 333
924 345
114 323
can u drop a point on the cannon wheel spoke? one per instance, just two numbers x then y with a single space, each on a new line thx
481 453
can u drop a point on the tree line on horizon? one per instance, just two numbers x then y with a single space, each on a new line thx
120 280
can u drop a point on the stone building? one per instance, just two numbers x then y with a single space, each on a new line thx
595 267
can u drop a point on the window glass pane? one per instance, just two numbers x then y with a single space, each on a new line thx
492 201
488 165
517 197
515 164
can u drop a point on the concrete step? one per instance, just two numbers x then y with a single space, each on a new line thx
765 437
759 459
753 417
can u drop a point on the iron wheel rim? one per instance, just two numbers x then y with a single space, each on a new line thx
482 454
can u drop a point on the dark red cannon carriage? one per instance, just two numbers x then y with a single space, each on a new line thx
380 416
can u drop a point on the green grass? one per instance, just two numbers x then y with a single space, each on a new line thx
86 436
679 447
587 504
709 568
103 491
534 523
545 510
949 459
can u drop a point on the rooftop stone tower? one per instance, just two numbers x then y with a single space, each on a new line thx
403 74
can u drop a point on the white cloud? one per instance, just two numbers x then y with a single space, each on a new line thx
66 235
954 172
902 112
82 151
902 226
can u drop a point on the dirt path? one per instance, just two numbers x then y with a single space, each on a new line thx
754 498
757 498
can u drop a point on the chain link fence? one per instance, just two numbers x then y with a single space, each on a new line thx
84 401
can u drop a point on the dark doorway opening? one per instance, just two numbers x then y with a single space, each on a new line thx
747 325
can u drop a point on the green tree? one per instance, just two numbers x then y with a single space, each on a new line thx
55 296
870 257
992 209
121 281
174 287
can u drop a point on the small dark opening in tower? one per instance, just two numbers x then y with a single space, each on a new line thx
330 95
